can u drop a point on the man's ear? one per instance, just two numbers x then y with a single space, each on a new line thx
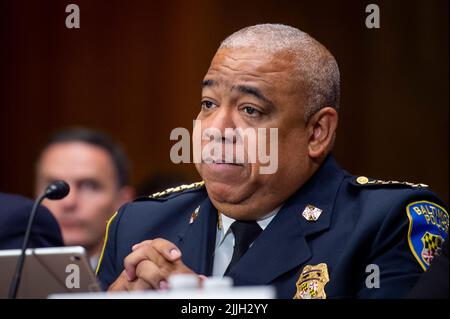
322 130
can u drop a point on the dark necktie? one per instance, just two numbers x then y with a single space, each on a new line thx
245 233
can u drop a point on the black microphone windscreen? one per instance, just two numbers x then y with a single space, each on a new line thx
57 190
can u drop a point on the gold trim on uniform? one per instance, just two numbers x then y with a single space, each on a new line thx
363 180
105 242
177 189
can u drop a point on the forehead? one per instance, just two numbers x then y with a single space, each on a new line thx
246 64
75 160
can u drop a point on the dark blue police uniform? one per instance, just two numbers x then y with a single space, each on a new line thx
337 236
14 213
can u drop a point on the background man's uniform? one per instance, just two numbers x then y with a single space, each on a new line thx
14 213
316 251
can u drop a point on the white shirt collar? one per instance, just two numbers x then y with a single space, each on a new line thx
93 260
263 222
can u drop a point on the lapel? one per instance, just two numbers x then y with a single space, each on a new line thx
196 248
283 245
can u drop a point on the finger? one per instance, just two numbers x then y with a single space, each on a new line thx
138 285
167 249
122 284
119 284
201 279
130 262
151 274
142 243
145 252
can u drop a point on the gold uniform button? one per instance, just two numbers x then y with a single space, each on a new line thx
362 180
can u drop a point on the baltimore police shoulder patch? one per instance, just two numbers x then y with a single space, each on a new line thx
428 229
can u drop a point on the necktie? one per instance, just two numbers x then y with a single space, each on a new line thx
245 233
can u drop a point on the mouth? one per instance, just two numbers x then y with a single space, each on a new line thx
71 224
225 166
226 163
212 161
224 170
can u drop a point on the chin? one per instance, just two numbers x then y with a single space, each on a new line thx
226 193
226 184
73 240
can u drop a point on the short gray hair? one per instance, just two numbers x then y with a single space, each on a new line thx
314 64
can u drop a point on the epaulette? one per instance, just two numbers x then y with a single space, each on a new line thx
364 181
177 189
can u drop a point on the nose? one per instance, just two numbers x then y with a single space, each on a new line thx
69 202
222 120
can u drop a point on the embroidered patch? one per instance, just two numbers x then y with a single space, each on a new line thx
428 229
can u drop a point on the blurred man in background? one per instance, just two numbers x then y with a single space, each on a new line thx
97 171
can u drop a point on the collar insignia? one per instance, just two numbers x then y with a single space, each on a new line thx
311 213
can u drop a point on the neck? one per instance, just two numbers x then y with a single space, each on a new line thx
93 251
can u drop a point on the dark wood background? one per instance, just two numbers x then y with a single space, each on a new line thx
134 68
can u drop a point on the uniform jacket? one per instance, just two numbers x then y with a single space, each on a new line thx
366 242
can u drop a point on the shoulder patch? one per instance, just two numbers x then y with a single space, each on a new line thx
177 189
365 181
428 229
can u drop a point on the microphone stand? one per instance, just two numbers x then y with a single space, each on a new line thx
18 272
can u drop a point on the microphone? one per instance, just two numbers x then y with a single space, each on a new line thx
54 191
57 190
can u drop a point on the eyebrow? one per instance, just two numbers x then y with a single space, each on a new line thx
207 83
249 90
254 92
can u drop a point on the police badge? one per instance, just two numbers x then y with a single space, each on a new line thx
312 281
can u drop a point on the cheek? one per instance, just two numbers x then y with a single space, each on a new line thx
287 148
98 207
292 151
293 140
55 207
198 167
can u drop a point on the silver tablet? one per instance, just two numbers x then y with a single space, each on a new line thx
48 271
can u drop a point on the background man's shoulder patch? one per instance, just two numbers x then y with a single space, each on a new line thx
428 229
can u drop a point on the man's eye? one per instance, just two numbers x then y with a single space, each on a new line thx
207 105
251 111
89 185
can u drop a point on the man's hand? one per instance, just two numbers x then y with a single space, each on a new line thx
123 284
149 266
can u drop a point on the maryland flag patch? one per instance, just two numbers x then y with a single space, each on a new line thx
428 229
